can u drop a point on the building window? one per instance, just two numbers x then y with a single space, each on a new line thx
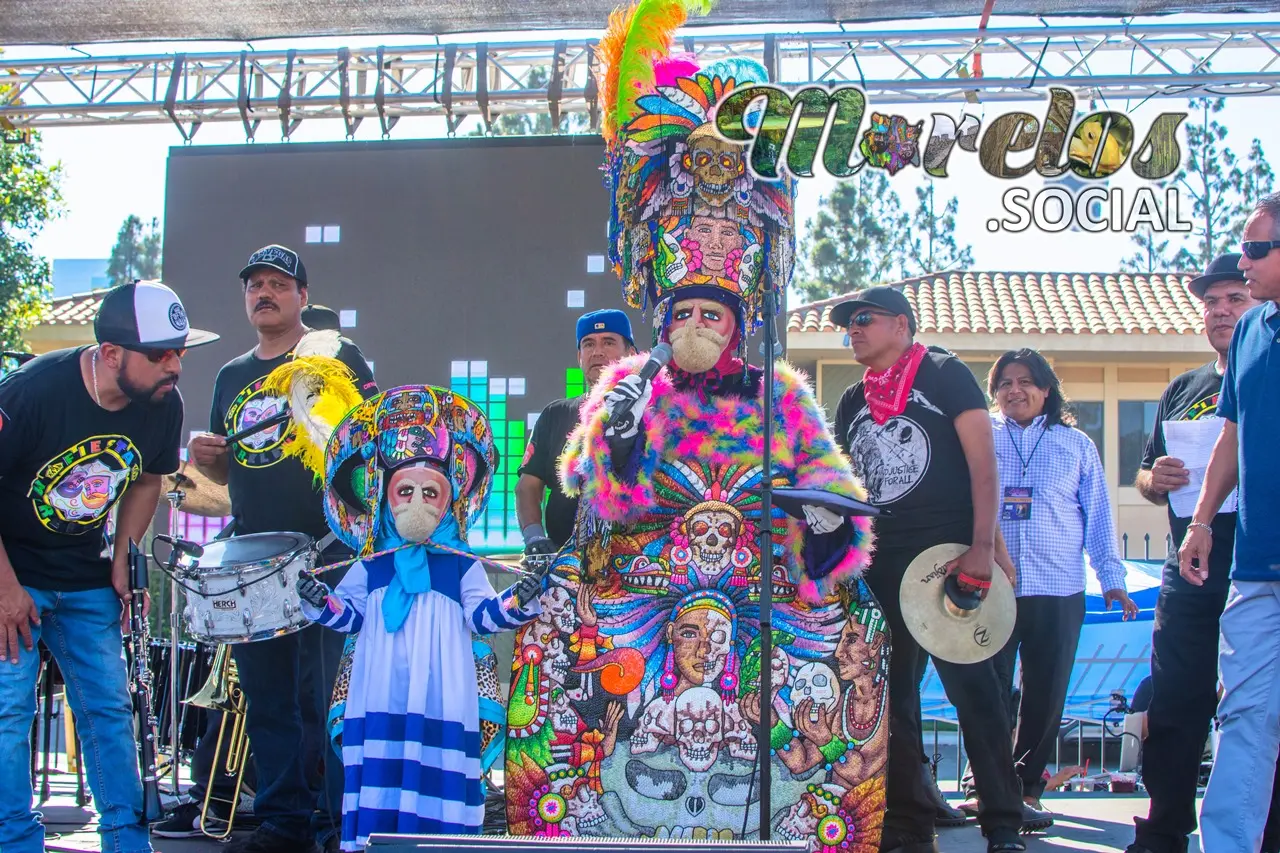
1089 421
1137 417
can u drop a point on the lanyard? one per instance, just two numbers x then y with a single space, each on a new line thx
1026 463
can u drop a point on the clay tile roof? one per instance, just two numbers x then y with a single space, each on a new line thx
970 302
76 310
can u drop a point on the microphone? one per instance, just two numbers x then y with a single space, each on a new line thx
184 546
620 415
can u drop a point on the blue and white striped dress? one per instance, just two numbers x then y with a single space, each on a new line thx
411 736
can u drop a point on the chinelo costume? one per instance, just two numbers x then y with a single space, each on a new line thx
410 728
636 692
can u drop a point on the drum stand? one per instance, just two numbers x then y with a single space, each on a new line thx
175 498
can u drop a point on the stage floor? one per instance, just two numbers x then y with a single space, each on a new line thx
1092 822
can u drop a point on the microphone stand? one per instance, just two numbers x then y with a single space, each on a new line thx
175 498
764 726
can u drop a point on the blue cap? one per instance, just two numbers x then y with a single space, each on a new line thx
605 320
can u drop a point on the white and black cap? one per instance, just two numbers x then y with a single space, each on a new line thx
277 258
146 315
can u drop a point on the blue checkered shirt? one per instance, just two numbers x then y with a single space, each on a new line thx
1070 508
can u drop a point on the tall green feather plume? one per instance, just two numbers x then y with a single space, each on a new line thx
648 39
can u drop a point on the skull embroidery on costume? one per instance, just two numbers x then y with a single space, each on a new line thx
716 166
814 681
699 719
657 727
738 737
563 717
583 808
801 822
713 535
557 610
556 660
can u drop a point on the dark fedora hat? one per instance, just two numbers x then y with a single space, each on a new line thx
1223 268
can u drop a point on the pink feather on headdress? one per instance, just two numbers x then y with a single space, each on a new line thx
668 69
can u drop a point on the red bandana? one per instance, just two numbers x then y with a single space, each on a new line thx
887 391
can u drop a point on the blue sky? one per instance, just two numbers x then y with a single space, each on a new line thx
113 171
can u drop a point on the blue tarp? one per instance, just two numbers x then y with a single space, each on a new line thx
1111 655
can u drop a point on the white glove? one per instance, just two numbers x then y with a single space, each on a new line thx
822 520
629 398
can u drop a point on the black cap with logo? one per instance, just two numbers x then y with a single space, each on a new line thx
277 258
146 315
883 298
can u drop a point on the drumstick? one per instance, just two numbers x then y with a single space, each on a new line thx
260 426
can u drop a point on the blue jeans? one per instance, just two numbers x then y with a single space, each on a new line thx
288 682
82 631
1234 812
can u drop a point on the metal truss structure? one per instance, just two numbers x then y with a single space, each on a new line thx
453 81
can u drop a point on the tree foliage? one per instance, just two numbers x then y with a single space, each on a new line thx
1222 187
930 246
136 253
29 197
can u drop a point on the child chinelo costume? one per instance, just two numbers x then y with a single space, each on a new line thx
636 693
406 472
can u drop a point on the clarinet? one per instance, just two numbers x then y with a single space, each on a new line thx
139 638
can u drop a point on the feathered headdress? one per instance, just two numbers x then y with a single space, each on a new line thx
688 218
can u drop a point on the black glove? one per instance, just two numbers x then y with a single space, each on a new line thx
538 546
312 591
534 583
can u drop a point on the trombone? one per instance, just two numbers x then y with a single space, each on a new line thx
221 692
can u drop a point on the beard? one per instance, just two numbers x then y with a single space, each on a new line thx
144 393
415 521
696 350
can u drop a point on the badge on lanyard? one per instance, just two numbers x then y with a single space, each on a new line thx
1016 505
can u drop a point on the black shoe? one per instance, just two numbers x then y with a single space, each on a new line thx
185 820
264 840
1005 840
908 844
1035 817
946 814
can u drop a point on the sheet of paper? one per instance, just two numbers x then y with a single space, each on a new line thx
1192 442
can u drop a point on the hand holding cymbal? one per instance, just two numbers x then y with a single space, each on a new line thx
949 621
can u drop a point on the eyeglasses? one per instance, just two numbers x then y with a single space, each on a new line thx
866 318
156 356
1256 250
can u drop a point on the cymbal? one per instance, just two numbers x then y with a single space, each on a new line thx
200 495
945 630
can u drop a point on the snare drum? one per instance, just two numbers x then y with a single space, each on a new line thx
244 589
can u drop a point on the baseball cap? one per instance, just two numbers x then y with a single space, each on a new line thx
605 320
1222 268
146 314
278 258
883 297
321 317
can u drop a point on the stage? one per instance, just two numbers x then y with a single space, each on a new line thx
1085 822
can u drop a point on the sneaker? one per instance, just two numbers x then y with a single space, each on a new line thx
1035 817
184 822
263 840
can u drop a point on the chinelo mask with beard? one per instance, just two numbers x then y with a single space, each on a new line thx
697 350
418 496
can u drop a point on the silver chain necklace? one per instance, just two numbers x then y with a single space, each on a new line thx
94 368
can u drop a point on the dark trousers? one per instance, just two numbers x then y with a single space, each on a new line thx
1045 635
1184 699
973 689
288 682
203 771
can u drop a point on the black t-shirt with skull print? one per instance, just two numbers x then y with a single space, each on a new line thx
913 465
65 463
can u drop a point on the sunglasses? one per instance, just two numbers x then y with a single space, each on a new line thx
866 318
156 356
1256 250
